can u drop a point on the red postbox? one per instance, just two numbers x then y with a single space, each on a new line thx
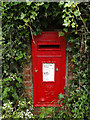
48 57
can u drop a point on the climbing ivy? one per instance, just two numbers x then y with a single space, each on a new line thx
22 20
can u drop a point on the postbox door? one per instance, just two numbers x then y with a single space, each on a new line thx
49 80
49 52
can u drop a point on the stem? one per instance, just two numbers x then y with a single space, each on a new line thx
31 33
10 47
18 101
81 51
82 19
85 43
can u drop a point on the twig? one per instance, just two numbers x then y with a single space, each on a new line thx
31 33
75 31
82 19
81 50
18 101
85 43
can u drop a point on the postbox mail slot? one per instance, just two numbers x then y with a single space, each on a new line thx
48 46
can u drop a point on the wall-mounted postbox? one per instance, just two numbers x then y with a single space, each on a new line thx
49 53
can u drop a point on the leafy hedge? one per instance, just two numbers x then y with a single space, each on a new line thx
22 20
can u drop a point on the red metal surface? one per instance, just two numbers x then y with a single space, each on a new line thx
48 48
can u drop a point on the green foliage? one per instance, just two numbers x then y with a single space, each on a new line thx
61 96
21 20
45 112
61 34
22 111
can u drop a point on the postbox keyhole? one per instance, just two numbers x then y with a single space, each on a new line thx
56 69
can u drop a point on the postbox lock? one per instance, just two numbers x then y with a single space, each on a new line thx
56 69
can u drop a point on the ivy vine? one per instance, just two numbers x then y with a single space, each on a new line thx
22 20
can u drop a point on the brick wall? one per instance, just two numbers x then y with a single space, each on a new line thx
70 68
27 79
27 75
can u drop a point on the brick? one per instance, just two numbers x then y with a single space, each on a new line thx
70 73
26 72
27 78
27 66
37 111
29 93
28 84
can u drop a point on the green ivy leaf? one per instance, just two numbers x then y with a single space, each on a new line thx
41 115
19 57
65 29
77 13
7 79
15 96
4 95
46 6
19 80
61 34
22 15
71 39
69 48
49 110
34 33
73 25
28 3
61 96
39 4
63 15
66 24
26 20
61 3
85 20
18 85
